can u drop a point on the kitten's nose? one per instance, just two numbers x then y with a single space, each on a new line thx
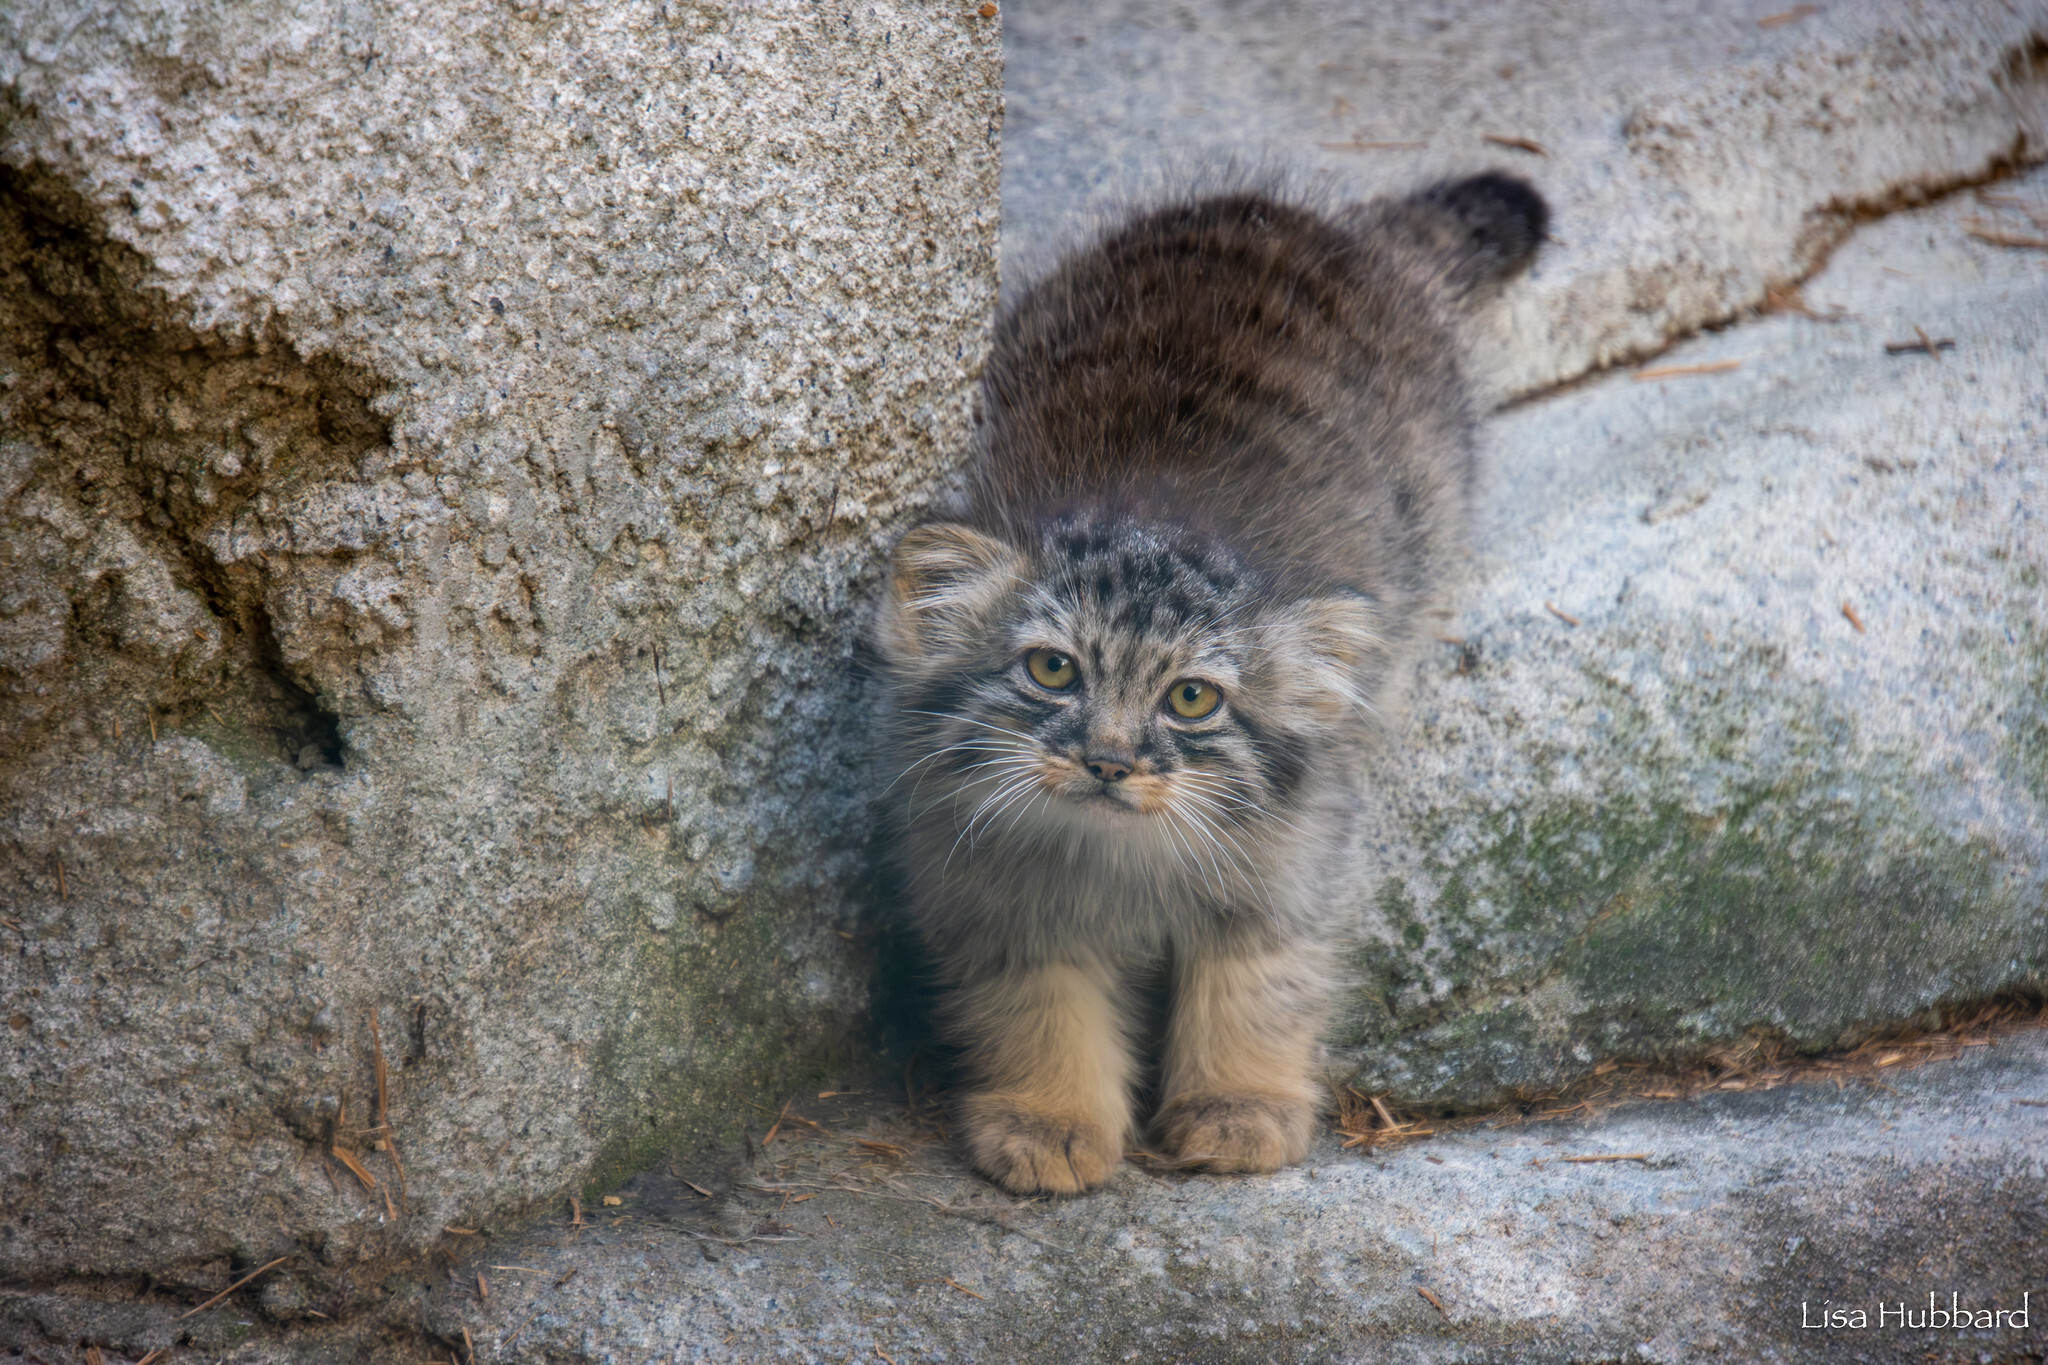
1109 767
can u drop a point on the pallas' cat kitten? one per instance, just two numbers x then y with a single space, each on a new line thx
1224 468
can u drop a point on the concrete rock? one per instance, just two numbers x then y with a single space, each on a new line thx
1740 1220
444 448
1695 155
1747 728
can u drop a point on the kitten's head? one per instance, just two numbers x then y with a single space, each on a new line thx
1115 676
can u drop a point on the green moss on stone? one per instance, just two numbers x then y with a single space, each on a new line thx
1814 903
714 1020
2028 719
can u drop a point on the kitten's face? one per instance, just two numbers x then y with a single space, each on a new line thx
1116 676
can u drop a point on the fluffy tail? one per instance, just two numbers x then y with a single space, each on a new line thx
1479 232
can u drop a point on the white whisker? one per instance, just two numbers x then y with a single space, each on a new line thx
1044 795
1216 834
970 720
1005 767
1007 790
977 744
1237 799
1009 801
1218 855
1173 826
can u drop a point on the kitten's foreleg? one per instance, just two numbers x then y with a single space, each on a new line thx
1240 1090
1050 1109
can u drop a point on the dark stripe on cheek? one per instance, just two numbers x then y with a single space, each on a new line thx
1285 764
945 696
1283 758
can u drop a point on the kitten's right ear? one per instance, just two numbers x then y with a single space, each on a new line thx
942 580
1330 652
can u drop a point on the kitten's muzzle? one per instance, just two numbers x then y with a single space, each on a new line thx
1109 767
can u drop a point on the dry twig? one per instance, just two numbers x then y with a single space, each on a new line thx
1787 298
232 1288
1355 1114
355 1167
388 1139
1790 16
1674 371
2011 239
1924 345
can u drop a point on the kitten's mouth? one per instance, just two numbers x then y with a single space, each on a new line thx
1139 794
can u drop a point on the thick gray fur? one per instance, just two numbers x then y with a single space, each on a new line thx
1227 445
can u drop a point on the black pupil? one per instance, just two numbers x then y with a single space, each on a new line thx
1055 663
1190 694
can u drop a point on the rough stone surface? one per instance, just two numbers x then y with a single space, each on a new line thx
1786 771
1746 1206
1747 1215
442 450
1694 155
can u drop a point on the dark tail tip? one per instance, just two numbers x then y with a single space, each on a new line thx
1504 215
1486 227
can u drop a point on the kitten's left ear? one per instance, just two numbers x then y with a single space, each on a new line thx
1334 651
944 579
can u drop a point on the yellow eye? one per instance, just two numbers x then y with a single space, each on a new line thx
1192 698
1050 668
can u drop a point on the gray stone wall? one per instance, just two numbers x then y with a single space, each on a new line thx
443 448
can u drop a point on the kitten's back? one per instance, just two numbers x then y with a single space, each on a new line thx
1287 380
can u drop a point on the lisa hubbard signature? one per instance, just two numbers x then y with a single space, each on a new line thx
1935 1314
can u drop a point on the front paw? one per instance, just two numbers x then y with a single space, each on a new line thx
1033 1151
1235 1132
